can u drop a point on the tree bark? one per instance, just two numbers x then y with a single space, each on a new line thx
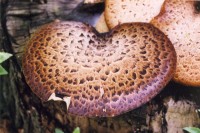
21 111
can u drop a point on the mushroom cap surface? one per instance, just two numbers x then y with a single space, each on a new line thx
180 21
104 74
124 11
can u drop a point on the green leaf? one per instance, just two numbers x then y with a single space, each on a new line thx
57 130
192 129
4 56
77 130
3 71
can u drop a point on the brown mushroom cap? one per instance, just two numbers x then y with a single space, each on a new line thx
180 20
124 11
104 74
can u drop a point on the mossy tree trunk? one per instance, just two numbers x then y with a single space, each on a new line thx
21 111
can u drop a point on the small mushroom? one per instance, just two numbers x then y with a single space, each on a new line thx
124 11
102 74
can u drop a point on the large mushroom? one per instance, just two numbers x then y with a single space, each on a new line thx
103 74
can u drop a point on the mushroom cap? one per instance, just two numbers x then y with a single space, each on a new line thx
124 11
180 21
104 74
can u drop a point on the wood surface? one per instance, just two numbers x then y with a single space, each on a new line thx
21 111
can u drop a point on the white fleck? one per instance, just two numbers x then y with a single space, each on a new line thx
197 110
104 110
67 101
54 97
101 91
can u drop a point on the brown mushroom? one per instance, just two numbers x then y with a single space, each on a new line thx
103 74
180 20
124 11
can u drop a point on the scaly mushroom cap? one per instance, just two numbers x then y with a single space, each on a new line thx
104 74
180 20
123 11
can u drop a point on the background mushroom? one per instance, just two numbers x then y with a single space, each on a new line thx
118 12
180 21
123 11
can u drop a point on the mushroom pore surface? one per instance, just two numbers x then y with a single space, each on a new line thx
104 74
